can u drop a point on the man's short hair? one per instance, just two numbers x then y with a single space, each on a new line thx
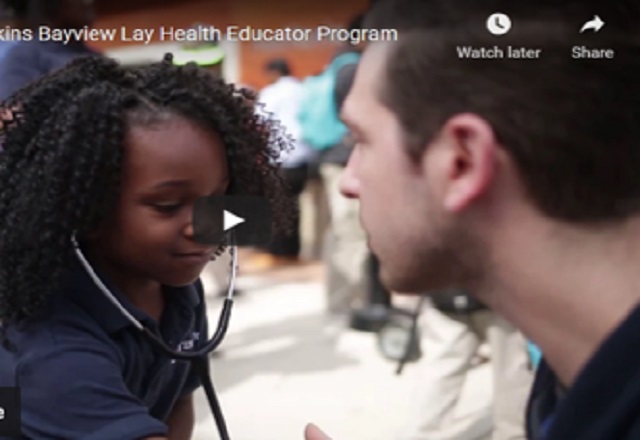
571 126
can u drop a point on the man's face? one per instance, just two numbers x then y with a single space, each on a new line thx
150 236
418 243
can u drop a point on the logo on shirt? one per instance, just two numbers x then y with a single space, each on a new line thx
189 343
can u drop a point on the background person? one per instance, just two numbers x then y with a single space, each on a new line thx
27 61
454 328
208 54
281 100
353 285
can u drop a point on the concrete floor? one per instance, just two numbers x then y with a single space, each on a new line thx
284 363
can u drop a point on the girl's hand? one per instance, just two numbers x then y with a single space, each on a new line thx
312 432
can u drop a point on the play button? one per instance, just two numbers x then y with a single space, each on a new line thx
230 220
248 217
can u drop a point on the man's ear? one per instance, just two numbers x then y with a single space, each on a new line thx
470 155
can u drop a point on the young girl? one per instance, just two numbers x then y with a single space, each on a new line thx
116 158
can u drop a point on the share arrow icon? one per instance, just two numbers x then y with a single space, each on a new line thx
596 24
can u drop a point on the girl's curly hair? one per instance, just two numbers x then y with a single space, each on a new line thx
62 143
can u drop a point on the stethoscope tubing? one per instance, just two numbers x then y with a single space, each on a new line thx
199 358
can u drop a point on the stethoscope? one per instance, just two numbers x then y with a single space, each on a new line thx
200 358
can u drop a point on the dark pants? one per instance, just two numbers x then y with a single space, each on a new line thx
288 245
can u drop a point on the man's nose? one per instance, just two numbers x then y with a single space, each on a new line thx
349 184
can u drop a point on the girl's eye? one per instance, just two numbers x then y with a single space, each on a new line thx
166 208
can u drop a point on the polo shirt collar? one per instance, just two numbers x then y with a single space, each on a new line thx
609 376
82 290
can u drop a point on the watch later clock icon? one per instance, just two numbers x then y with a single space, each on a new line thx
498 24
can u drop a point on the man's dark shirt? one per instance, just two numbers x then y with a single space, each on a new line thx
603 403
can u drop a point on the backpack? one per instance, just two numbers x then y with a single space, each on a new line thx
318 115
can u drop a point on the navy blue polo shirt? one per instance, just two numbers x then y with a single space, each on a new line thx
603 403
86 372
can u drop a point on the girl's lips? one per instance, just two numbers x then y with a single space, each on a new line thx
195 257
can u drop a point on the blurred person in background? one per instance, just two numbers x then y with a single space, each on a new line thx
352 279
207 54
6 19
26 61
454 329
281 100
